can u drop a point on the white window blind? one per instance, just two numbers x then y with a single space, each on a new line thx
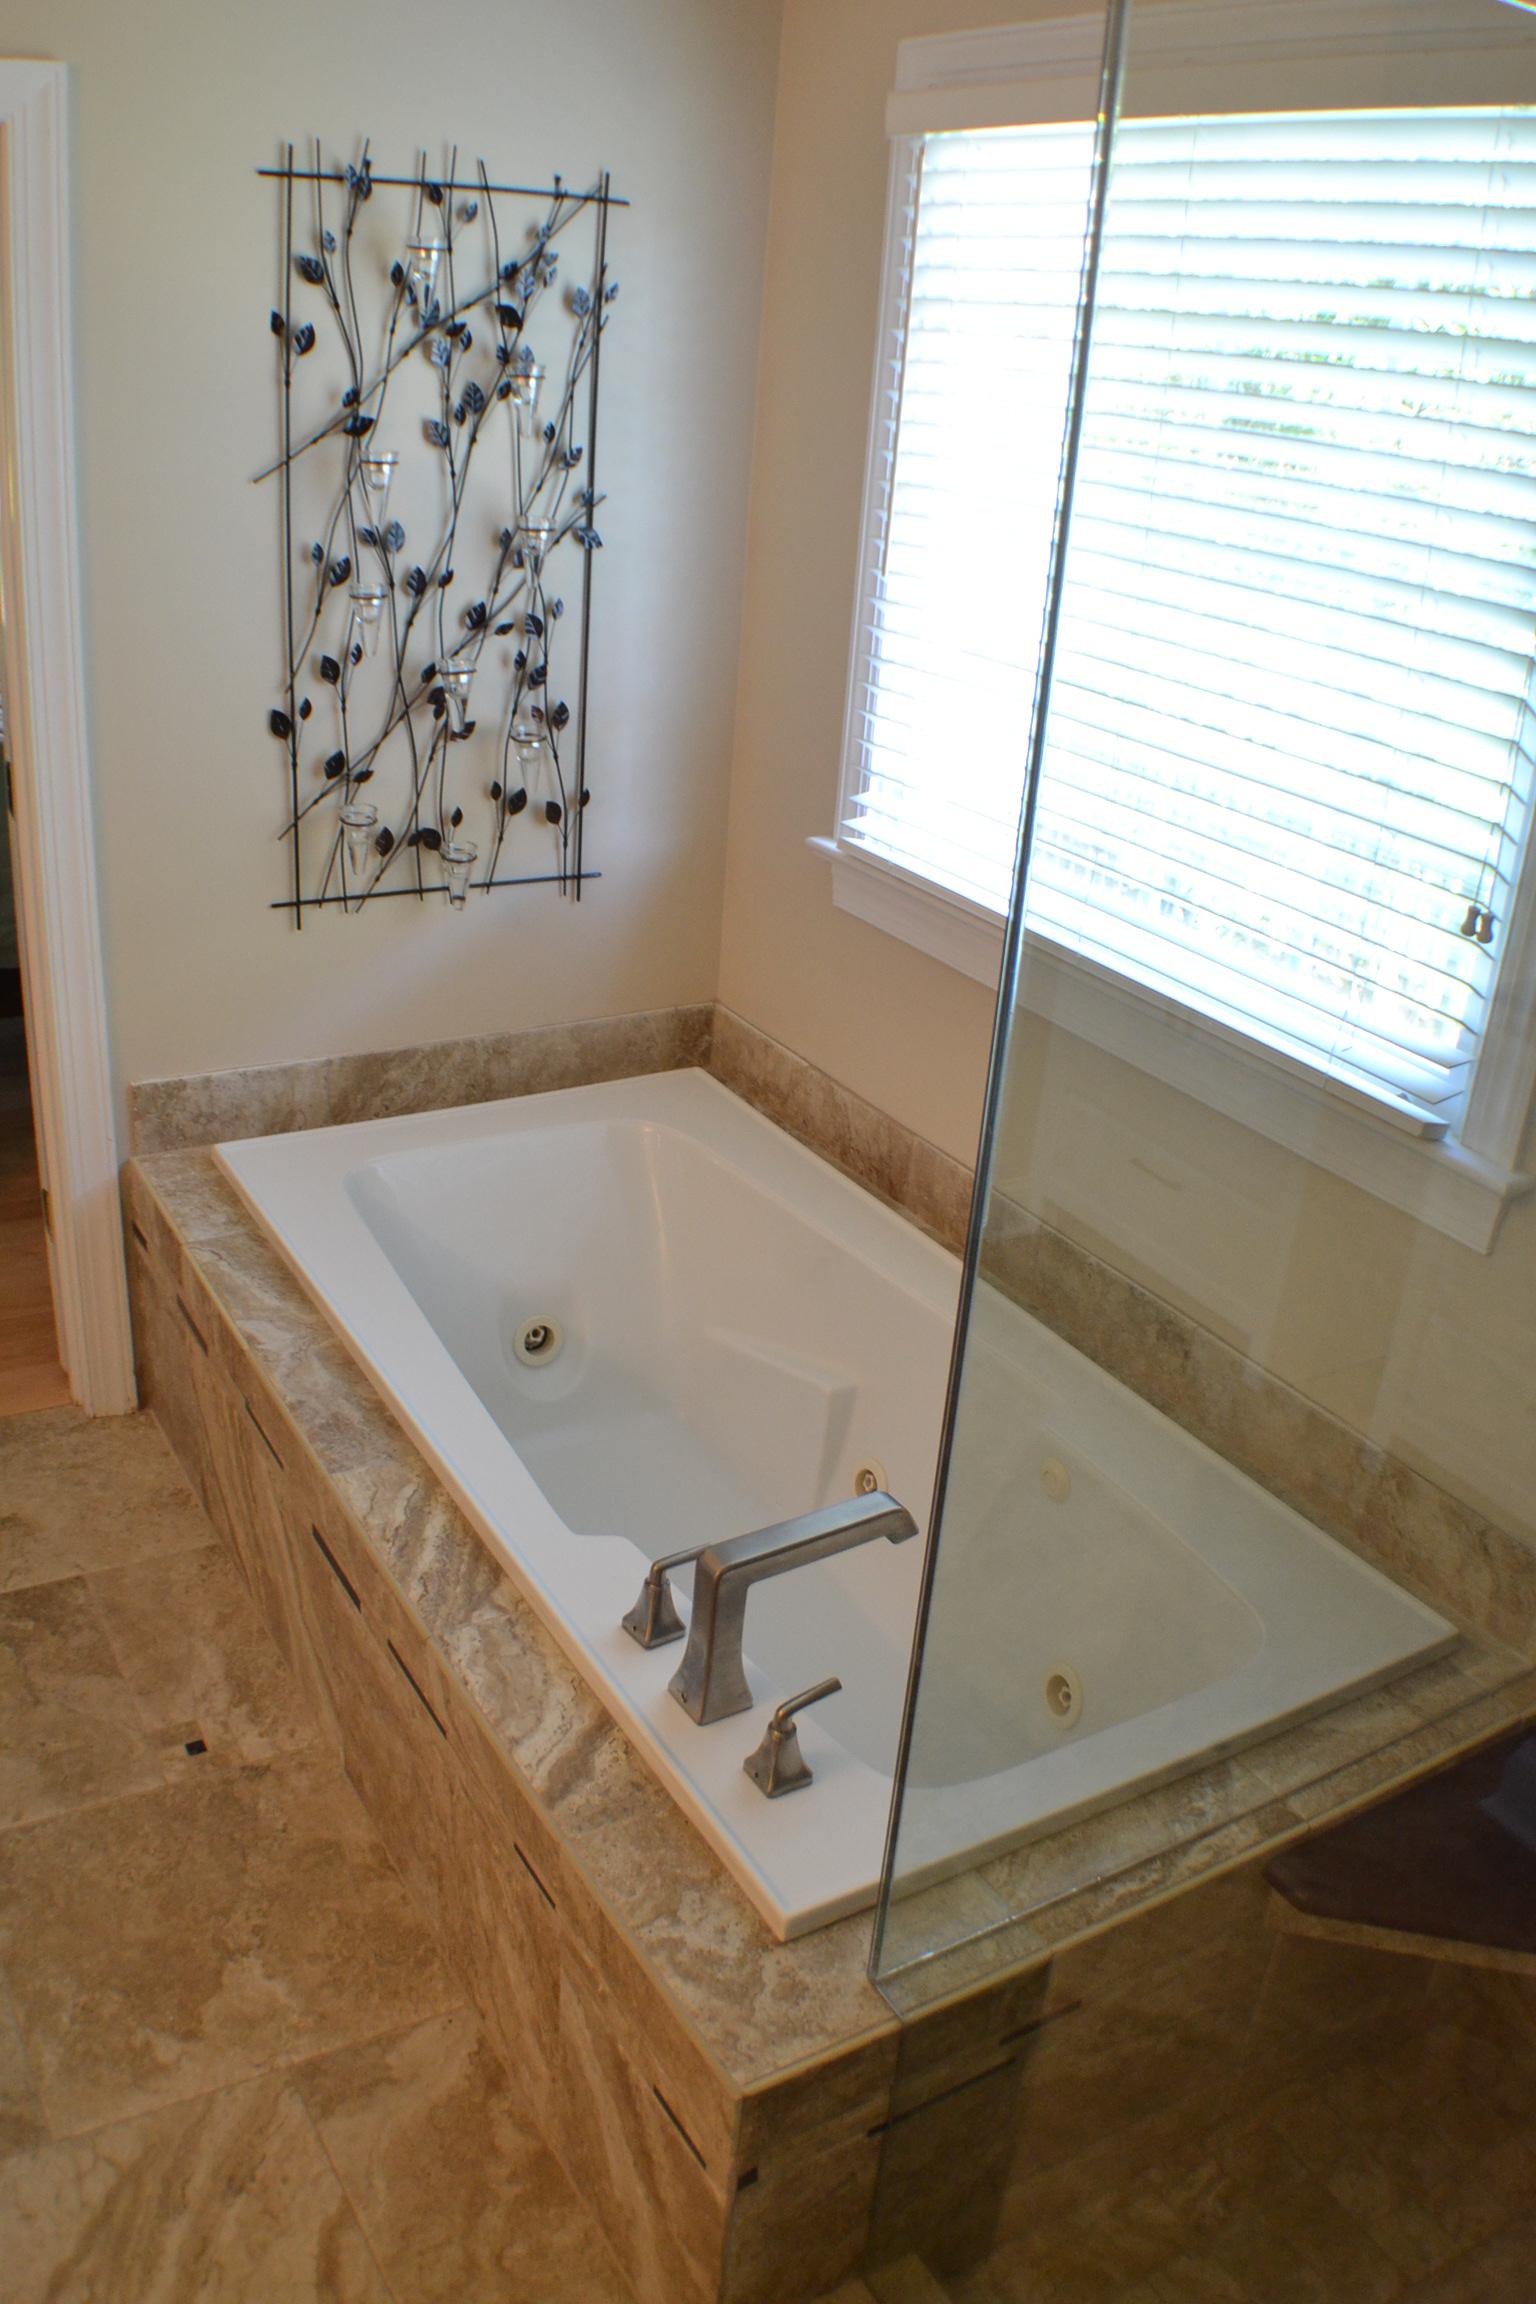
1288 764
969 447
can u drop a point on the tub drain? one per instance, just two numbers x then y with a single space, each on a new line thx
1063 1695
537 1341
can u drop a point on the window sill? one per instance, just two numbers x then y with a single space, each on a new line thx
1437 1181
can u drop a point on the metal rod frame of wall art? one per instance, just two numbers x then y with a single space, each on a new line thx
437 472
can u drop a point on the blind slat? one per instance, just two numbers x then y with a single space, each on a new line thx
1291 734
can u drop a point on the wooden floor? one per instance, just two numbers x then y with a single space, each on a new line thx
30 1375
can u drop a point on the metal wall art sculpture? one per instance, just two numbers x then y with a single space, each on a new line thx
438 368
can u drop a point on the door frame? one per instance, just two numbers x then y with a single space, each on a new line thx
63 976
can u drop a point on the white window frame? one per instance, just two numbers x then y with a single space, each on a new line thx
1340 53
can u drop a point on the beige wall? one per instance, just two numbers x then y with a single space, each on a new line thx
1427 1347
902 1030
1424 1345
176 102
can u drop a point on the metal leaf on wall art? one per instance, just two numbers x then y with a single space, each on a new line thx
438 395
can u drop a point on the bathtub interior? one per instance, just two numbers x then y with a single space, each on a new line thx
1098 1611
1114 1606
712 1371
739 1331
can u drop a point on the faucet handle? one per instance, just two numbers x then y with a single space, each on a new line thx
778 1765
654 1619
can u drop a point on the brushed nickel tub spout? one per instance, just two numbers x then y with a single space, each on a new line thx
711 1682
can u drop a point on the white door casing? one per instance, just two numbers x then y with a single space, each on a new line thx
63 977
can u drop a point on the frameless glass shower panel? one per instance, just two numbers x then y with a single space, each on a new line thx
1241 1449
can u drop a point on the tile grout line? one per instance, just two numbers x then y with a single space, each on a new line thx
340 2181
332 1768
283 2075
93 1804
10 2017
78 1568
153 1732
162 1736
283 2069
170 1783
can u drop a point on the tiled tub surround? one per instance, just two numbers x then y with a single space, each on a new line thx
1203 2106
741 1329
1418 1533
327 1091
725 2099
900 1168
1481 1575
927 1185
738 1331
1228 2111
1427 1539
717 2095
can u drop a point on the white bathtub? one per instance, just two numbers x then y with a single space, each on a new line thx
741 1329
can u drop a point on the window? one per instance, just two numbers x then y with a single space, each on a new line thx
1287 778
973 416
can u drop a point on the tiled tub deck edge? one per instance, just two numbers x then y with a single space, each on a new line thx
725 2098
695 2076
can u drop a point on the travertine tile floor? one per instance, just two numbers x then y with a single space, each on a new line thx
230 2064
232 2070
